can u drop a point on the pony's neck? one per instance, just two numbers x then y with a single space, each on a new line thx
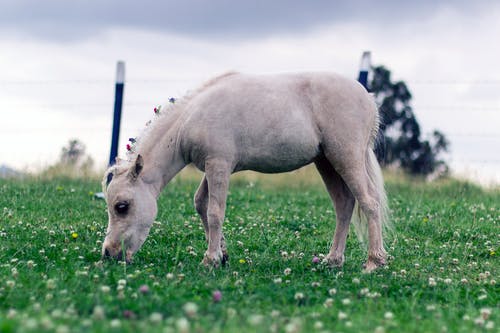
162 156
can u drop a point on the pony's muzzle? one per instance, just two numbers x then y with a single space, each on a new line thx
108 253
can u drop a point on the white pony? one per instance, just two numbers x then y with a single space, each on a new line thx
270 124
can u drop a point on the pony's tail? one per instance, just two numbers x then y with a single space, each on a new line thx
376 183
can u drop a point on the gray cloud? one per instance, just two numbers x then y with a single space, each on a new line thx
79 19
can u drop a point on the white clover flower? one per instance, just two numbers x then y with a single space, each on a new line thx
105 289
46 323
479 321
293 326
389 315
430 307
299 296
51 284
11 313
328 302
156 317
356 281
318 325
98 312
287 271
447 281
31 324
432 282
190 309
342 315
485 313
255 319
332 291
115 323
182 325
346 301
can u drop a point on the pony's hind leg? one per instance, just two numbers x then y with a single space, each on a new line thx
217 173
343 201
362 175
201 206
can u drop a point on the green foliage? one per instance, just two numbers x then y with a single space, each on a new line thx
442 273
401 139
74 162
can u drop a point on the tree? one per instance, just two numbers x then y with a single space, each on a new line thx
74 162
400 141
73 152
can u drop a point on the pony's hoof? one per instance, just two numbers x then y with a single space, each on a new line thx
335 260
369 267
373 263
212 261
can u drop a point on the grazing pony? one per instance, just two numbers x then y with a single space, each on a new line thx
270 124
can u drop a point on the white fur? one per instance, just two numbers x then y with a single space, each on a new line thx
270 124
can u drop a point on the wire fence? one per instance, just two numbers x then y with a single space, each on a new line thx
82 88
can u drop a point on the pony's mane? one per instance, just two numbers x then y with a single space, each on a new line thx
155 127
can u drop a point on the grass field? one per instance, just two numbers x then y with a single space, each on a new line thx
443 272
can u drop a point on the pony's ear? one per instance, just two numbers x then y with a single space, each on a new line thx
136 168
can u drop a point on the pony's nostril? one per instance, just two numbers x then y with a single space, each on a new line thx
106 253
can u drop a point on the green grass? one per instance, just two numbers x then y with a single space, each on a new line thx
446 231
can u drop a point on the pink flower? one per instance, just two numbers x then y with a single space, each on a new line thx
128 314
217 296
144 289
315 260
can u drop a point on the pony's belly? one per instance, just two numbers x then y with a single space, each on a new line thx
279 158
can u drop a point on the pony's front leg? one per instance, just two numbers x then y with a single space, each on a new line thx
217 173
201 206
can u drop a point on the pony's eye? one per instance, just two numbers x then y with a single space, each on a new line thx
122 207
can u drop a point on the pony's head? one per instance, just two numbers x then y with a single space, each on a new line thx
131 209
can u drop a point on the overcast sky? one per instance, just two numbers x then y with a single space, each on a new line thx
57 63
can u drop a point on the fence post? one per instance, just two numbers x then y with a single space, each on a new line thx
117 114
364 69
